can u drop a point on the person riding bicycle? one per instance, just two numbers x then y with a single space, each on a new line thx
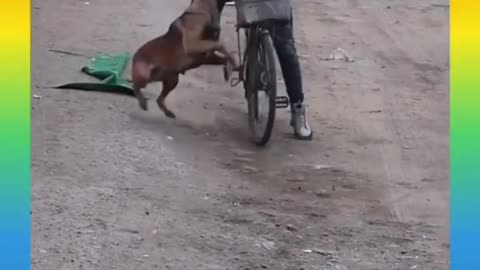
284 43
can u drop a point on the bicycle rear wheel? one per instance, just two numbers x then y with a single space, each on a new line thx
261 86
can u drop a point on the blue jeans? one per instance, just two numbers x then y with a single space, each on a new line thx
284 43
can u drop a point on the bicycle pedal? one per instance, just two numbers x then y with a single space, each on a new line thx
281 102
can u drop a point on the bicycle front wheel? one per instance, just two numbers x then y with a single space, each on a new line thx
261 88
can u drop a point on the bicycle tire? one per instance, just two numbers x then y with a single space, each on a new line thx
262 44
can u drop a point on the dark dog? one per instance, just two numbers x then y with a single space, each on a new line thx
191 41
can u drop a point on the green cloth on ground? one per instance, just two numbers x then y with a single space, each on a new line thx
109 69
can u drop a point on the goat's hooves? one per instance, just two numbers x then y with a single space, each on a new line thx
227 72
143 105
170 114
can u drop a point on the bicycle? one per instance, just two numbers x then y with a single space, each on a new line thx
257 70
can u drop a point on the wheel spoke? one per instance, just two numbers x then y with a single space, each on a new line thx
261 92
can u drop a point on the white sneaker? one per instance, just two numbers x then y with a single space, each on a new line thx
301 129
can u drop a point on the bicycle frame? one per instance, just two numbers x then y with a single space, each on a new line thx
256 69
251 33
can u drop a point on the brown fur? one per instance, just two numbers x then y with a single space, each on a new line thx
190 42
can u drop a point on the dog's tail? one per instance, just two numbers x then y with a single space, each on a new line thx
140 73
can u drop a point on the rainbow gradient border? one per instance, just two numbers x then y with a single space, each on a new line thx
15 135
465 135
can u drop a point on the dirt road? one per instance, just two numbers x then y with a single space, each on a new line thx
114 187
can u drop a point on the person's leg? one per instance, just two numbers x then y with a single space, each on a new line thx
284 43
221 4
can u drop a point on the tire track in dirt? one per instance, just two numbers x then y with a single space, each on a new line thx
401 65
408 122
403 121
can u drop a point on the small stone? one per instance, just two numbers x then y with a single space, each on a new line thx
322 194
324 252
268 245
291 228
250 169
321 166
